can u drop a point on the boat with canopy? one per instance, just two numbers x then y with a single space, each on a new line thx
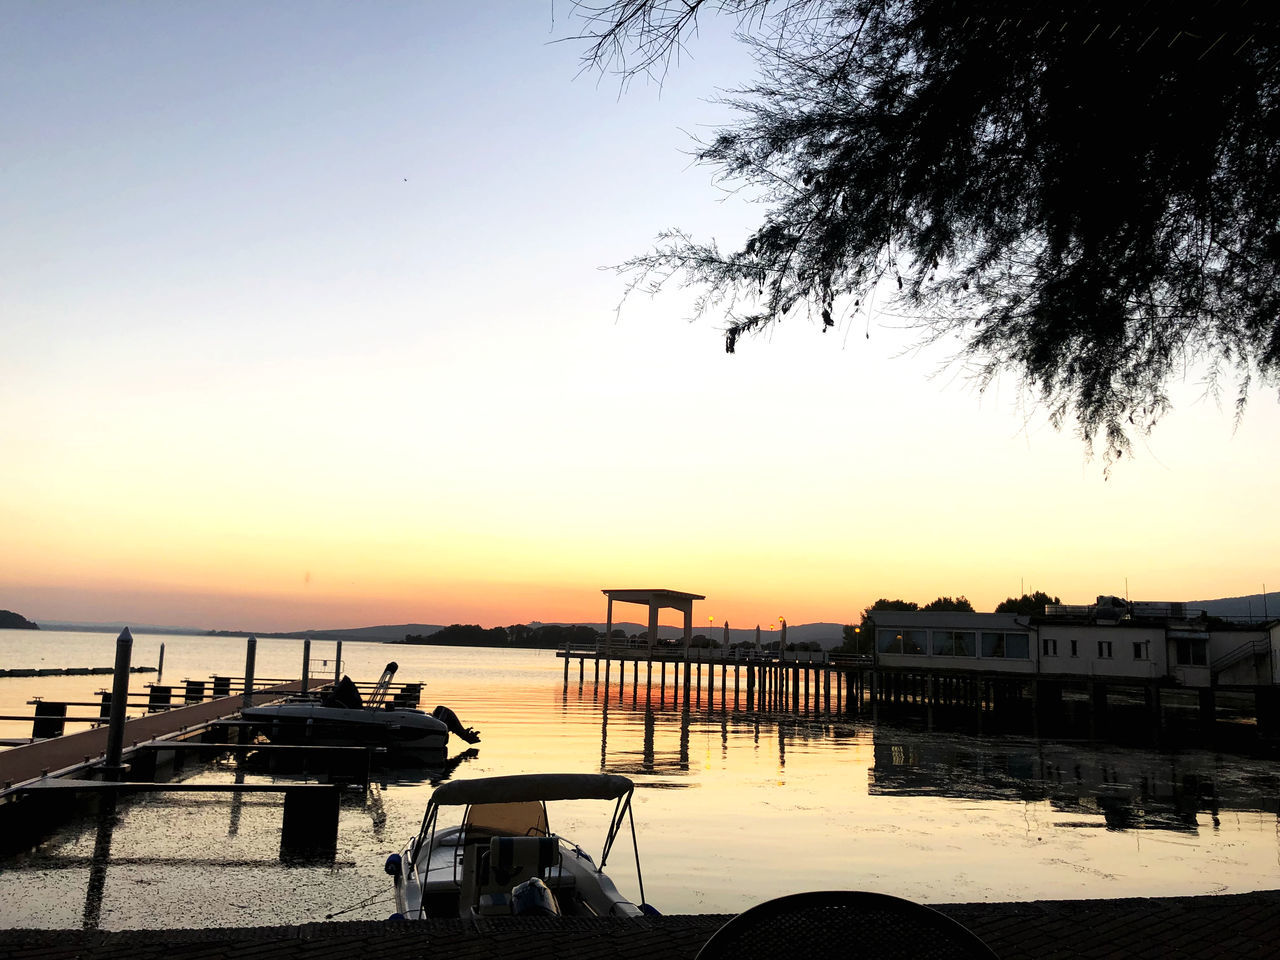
503 859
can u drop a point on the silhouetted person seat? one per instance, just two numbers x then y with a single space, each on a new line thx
843 923
344 694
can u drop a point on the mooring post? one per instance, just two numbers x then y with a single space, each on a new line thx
160 666
306 664
310 827
50 720
250 653
337 661
119 700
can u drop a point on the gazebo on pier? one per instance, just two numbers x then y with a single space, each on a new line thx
655 600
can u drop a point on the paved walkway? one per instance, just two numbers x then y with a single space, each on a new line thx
1239 927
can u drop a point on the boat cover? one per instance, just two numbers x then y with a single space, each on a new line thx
532 786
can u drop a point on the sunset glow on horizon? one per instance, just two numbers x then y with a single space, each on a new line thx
305 327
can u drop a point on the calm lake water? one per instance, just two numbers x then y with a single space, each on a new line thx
730 809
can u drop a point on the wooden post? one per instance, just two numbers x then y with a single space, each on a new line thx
310 826
50 720
159 698
250 655
119 700
1208 709
751 686
193 691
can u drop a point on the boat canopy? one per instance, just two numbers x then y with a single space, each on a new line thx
532 786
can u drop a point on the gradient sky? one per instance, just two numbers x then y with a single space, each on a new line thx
302 324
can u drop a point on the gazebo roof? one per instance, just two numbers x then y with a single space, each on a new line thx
661 597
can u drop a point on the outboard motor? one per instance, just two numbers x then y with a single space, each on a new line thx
533 898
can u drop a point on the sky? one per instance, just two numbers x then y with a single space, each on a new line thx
306 321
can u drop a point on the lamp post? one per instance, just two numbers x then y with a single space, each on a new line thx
710 642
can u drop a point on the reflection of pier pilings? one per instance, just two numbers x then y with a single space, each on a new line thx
101 857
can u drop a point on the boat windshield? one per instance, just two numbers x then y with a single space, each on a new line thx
526 818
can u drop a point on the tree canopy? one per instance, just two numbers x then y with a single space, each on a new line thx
959 604
1029 604
1081 194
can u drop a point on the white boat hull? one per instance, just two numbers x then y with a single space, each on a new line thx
312 723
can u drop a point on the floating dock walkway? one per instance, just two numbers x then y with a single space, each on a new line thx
73 753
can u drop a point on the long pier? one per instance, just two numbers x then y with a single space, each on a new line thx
832 684
802 682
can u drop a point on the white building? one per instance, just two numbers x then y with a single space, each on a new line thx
1109 639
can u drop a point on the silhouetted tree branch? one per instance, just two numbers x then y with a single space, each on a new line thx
1079 193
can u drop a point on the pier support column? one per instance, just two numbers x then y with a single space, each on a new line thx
1097 709
112 768
251 653
310 828
1267 707
1208 708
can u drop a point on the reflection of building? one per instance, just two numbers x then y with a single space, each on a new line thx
1128 791
1110 639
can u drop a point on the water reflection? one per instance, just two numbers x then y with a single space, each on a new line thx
106 822
1092 786
1118 789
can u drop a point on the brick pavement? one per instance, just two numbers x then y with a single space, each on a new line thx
1239 927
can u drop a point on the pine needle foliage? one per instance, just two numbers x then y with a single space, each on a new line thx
1082 194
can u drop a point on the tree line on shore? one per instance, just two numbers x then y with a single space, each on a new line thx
15 621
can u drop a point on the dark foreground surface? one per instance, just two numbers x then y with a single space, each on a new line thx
1240 926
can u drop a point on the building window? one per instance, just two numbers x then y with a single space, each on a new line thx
1104 649
1141 649
1050 647
915 642
912 642
953 643
1006 646
1191 652
1075 648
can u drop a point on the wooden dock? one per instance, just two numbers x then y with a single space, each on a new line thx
70 754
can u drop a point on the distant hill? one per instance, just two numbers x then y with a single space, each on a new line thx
15 621
1254 606
79 627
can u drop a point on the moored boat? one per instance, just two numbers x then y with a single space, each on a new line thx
502 858
341 717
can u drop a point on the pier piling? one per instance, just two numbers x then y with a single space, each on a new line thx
119 701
